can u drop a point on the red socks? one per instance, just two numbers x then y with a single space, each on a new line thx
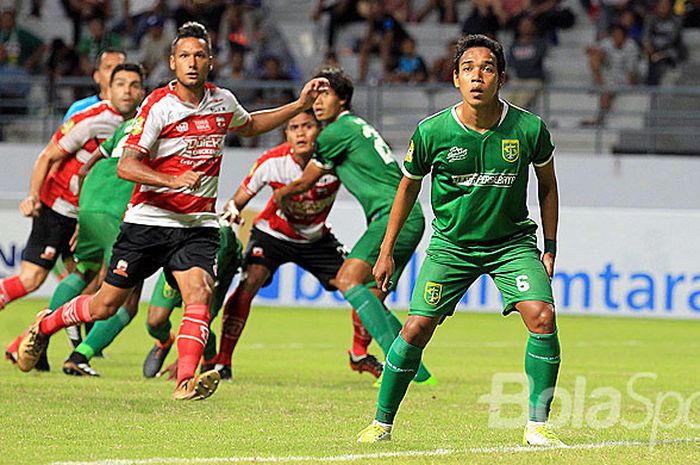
11 288
236 311
191 339
361 338
74 312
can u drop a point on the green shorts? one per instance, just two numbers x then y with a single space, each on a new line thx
367 247
448 271
228 261
96 235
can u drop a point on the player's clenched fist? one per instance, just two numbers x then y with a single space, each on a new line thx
30 206
190 180
311 90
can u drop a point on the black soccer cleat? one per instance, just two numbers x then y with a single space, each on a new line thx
78 365
224 371
155 359
368 363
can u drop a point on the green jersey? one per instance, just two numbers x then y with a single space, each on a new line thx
103 191
479 180
362 161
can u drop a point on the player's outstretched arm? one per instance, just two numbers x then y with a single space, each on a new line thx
548 196
405 199
266 120
306 181
131 168
50 155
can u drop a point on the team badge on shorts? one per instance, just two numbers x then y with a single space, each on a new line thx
510 150
433 293
122 265
168 291
49 253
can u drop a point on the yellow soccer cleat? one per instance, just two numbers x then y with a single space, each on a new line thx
540 434
375 433
198 388
32 345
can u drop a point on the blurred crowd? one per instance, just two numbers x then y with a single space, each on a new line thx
636 41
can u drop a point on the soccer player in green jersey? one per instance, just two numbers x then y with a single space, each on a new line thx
364 164
478 153
103 201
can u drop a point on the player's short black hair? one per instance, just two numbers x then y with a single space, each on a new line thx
310 112
340 82
131 67
191 29
480 40
105 51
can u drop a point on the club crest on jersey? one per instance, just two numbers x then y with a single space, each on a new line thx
433 293
510 150
122 265
49 253
409 153
137 127
220 122
67 126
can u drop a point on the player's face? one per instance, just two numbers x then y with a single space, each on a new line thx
301 133
191 61
477 78
126 92
328 105
104 71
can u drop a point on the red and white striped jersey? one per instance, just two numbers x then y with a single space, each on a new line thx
304 216
178 137
78 138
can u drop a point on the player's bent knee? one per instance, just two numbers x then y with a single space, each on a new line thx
418 330
543 319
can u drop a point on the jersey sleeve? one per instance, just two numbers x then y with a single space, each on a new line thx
147 126
257 178
330 149
240 117
417 162
544 148
73 134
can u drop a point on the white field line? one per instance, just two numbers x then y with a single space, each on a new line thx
378 455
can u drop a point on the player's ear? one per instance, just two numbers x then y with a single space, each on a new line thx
172 63
455 79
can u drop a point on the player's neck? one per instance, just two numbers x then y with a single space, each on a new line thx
302 159
103 95
189 94
481 118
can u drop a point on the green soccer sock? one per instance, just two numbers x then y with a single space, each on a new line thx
160 333
541 366
381 323
103 333
69 288
395 324
400 368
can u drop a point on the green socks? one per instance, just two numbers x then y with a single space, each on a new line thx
400 368
103 333
69 288
541 366
381 323
161 333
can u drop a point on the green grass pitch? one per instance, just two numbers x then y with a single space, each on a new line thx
294 399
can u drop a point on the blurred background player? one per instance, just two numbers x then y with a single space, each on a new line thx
102 202
354 150
172 223
478 153
106 60
296 232
53 192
